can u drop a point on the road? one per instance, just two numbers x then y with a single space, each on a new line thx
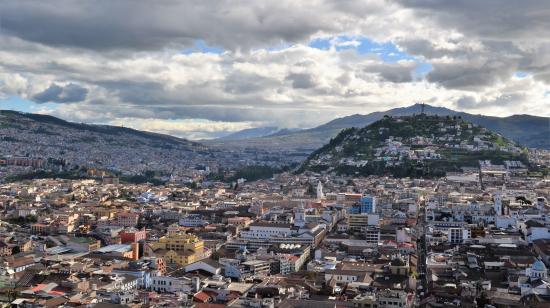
421 251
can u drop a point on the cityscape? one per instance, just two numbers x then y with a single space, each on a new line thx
274 154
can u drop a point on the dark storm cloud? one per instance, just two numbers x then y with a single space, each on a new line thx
128 24
471 75
504 100
246 83
394 72
508 36
70 93
489 19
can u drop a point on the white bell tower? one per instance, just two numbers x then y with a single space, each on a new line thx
497 205
300 216
320 194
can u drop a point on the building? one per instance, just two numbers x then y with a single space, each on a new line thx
367 205
265 234
458 235
83 244
320 194
361 222
240 222
132 236
393 299
127 219
300 216
193 220
167 284
38 228
372 234
497 205
178 247
237 269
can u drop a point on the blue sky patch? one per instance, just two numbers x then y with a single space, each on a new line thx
202 47
23 105
521 74
387 52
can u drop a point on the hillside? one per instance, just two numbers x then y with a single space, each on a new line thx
65 145
528 130
417 146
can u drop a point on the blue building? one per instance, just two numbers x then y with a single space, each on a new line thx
367 205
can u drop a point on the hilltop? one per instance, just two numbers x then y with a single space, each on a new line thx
417 146
66 145
530 131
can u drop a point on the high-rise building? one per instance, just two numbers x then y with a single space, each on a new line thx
367 205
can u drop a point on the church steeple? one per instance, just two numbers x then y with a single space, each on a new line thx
497 203
300 216
320 194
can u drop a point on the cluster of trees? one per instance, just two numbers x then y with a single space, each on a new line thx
147 177
44 174
250 173
408 168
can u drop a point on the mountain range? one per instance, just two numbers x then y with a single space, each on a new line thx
528 130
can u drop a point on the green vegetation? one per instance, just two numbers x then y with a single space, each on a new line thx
43 174
253 173
250 173
446 137
29 219
146 177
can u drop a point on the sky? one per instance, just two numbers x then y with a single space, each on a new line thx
204 68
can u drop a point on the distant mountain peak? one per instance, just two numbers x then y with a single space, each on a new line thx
529 130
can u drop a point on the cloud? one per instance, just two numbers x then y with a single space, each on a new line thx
138 25
394 72
130 61
193 129
301 80
488 41
70 93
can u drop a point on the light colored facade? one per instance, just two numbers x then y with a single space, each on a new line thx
180 248
166 284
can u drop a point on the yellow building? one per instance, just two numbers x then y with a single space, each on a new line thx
178 247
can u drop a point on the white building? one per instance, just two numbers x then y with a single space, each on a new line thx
458 235
167 284
320 194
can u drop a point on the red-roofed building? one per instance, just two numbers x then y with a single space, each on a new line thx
202 297
132 236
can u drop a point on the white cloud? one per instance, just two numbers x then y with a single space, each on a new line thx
136 69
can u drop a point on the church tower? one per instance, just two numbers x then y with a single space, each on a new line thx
300 216
320 194
497 205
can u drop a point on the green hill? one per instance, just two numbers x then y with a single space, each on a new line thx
416 146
